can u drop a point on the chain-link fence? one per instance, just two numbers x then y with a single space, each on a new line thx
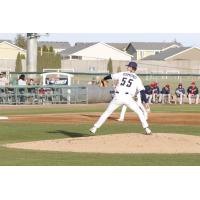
14 95
78 92
172 79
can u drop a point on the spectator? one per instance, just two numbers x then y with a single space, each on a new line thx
22 82
180 93
3 80
166 94
3 83
31 82
193 92
47 81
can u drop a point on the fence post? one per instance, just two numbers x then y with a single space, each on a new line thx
86 95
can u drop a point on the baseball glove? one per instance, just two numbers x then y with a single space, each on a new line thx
103 83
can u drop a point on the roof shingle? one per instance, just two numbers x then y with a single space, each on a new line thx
76 48
153 45
120 46
6 41
165 54
55 45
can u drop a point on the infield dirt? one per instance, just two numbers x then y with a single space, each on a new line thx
115 143
71 118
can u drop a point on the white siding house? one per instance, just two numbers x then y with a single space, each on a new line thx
95 51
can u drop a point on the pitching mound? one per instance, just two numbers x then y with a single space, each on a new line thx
119 143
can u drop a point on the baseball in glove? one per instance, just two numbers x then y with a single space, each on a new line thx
103 83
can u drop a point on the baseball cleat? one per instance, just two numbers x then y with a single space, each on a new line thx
120 120
148 131
93 130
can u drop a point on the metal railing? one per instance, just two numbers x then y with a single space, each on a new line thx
32 94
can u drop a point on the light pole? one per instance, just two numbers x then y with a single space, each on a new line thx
31 61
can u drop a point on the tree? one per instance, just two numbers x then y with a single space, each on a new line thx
51 49
48 59
39 62
119 69
109 66
20 41
18 63
22 56
44 49
58 60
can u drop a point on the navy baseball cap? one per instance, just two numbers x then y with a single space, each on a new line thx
132 64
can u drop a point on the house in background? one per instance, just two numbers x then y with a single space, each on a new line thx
10 51
93 57
8 55
174 60
57 46
120 46
178 53
94 51
9 41
141 50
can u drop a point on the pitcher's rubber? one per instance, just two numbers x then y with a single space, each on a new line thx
3 117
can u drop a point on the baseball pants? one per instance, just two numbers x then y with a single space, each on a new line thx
118 101
180 98
196 97
139 103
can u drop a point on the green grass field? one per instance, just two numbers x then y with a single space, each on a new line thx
21 131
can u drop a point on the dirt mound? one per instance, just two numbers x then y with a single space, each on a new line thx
119 143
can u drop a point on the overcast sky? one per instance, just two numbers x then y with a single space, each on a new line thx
187 39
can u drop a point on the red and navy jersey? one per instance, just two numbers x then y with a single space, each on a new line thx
193 90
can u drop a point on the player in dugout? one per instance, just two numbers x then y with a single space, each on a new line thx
193 93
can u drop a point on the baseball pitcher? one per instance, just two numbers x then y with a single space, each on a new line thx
127 85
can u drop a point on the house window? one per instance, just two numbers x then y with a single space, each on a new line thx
77 57
66 57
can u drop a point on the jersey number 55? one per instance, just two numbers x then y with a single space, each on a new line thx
126 82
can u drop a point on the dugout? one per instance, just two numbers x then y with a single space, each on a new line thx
56 78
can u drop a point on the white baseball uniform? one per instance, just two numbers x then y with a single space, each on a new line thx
128 84
139 103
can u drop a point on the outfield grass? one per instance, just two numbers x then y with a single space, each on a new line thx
25 157
100 108
19 132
